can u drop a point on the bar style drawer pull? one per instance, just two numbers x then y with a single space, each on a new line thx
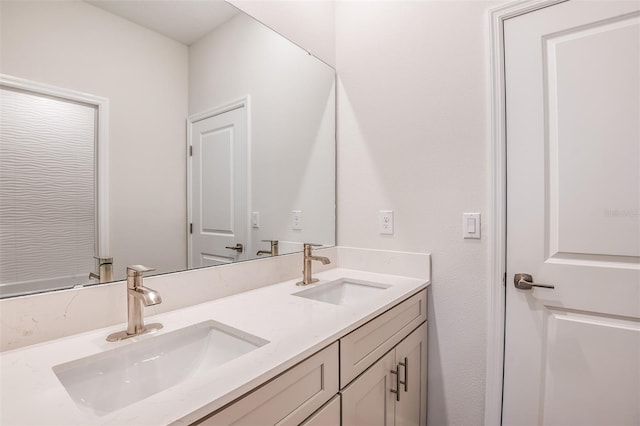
405 364
397 389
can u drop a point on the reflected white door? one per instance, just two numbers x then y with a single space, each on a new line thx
219 188
572 354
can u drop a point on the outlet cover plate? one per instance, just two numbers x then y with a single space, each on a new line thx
385 222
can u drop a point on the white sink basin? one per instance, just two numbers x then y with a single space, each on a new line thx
116 378
343 291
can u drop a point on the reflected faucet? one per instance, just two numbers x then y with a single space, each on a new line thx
137 295
308 258
273 251
105 270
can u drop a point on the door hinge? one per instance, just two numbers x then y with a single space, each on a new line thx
191 150
191 228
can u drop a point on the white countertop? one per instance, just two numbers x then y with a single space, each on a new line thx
296 327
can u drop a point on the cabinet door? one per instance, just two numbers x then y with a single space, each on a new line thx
412 352
368 400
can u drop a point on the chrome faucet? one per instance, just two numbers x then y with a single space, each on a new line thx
137 295
272 252
308 258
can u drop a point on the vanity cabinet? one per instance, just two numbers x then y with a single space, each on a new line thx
287 399
375 375
393 391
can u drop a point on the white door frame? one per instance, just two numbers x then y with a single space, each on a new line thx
102 146
245 103
497 283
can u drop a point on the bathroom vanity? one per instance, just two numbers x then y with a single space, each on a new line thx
392 386
349 349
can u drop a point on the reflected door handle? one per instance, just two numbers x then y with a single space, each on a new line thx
525 282
239 248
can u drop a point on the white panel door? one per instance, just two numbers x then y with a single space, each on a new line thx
572 353
219 189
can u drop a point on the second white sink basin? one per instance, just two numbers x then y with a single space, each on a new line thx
114 379
342 292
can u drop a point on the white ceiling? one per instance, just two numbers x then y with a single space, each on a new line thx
183 20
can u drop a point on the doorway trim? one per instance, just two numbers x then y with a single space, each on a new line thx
243 102
498 205
102 146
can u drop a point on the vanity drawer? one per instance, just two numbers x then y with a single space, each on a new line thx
365 345
289 398
327 415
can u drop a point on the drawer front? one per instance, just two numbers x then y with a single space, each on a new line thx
329 415
362 347
289 398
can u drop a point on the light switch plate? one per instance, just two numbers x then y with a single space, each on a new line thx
471 225
385 222
255 219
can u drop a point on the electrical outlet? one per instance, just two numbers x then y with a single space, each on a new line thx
255 219
385 222
296 220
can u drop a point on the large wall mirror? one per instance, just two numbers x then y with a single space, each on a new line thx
173 134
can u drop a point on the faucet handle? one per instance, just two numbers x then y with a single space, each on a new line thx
137 270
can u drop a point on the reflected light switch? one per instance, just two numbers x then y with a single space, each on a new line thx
296 220
471 225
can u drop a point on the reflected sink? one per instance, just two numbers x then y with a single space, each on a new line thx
343 291
111 380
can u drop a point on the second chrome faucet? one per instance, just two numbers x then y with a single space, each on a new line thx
308 258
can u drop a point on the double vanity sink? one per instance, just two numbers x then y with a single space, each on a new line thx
204 357
114 379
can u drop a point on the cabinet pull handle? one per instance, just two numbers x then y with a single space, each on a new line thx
405 364
397 389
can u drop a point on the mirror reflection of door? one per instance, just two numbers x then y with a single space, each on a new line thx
219 189
48 147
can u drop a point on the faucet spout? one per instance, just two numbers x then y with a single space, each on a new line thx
321 259
148 296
